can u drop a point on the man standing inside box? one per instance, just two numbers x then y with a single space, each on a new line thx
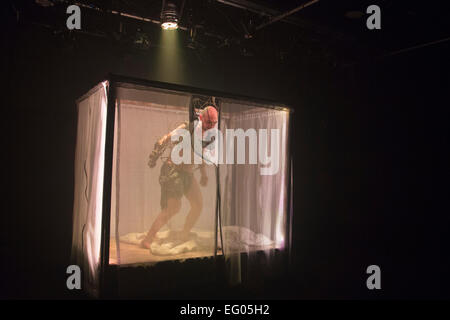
177 180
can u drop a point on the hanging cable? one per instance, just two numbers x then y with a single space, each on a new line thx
219 206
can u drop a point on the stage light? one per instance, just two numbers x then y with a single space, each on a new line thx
169 17
141 40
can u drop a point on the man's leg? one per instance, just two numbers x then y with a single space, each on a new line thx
194 195
173 206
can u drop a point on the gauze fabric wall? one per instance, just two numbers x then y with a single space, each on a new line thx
143 116
89 171
251 200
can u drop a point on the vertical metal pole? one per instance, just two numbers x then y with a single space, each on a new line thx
290 211
117 183
216 216
107 183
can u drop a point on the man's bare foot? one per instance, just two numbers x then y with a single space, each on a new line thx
146 243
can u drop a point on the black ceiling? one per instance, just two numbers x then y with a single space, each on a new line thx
320 31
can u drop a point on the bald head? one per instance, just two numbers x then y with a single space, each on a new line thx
209 117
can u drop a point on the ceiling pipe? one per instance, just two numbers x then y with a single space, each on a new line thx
255 8
242 4
268 12
286 14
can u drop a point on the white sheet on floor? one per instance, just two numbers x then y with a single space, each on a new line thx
237 238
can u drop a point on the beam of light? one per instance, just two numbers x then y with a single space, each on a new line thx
169 58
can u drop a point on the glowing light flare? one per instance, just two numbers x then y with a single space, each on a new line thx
169 25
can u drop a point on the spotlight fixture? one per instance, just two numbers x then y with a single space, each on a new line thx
141 40
195 33
249 29
169 16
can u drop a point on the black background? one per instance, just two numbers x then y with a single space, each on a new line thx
370 174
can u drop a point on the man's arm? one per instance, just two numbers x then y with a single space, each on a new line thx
162 144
